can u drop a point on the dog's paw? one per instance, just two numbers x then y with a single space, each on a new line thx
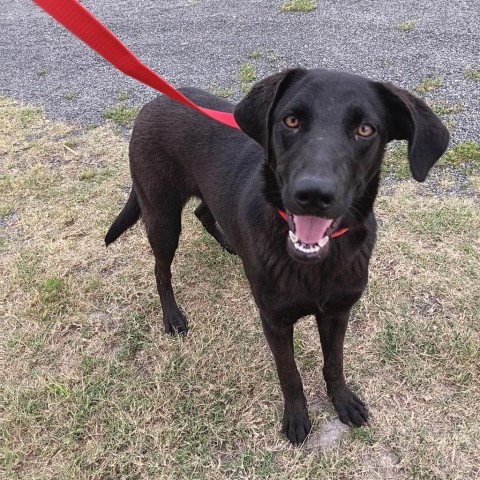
296 426
351 410
175 324
228 248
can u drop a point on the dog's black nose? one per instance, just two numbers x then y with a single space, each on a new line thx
314 192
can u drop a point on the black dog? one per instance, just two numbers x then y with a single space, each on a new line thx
319 141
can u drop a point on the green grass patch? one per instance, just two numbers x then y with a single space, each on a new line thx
51 289
121 115
299 6
218 91
406 27
429 84
70 96
364 435
467 152
96 173
440 107
472 74
247 77
5 210
123 96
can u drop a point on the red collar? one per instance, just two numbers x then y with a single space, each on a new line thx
333 235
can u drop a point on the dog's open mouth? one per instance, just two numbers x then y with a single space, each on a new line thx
309 235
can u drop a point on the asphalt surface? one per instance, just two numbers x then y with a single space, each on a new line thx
204 42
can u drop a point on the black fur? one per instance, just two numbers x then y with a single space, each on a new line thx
175 154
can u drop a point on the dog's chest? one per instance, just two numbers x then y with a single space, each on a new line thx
293 292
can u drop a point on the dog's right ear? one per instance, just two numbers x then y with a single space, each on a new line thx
253 112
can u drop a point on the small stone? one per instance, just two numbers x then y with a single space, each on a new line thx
328 436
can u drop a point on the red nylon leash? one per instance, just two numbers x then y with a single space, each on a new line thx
79 21
76 18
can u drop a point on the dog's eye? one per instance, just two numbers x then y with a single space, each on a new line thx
365 130
291 122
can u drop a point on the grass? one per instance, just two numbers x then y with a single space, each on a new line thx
406 27
441 107
299 6
121 115
467 153
246 76
70 95
472 74
92 389
217 90
429 84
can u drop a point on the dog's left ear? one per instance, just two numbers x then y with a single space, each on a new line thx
253 112
411 119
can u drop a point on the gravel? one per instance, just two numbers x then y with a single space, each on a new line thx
203 43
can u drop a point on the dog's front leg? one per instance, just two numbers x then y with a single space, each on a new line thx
296 424
332 325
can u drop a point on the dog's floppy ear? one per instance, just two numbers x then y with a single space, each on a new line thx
411 119
253 112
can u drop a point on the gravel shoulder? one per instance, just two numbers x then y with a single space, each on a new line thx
205 44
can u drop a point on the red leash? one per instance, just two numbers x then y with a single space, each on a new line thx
76 18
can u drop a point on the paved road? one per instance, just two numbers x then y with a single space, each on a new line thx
204 42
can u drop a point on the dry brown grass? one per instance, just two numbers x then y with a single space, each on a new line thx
92 388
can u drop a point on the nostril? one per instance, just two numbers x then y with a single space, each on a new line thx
302 197
314 193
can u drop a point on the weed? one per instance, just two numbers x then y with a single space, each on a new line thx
472 74
218 91
121 115
247 76
467 152
70 95
429 85
406 27
96 173
5 210
440 107
123 96
299 6
364 435
50 290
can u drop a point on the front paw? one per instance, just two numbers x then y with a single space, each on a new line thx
351 410
296 426
175 323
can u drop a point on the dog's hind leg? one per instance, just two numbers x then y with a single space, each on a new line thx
163 231
203 213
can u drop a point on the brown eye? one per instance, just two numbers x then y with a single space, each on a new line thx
291 122
365 130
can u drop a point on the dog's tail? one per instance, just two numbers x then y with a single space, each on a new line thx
126 218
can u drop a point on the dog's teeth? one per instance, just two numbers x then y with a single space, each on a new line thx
306 248
292 236
323 242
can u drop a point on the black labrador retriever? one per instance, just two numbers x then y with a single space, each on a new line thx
281 195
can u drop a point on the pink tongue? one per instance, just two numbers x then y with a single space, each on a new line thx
310 229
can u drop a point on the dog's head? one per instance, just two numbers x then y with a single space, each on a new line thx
324 134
